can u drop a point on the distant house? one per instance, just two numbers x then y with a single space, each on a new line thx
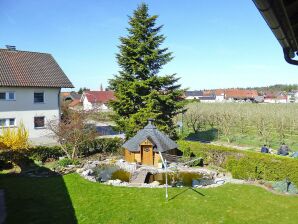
276 98
217 95
200 95
193 95
30 85
240 94
97 100
293 96
72 99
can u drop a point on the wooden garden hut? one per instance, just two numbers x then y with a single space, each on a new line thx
146 145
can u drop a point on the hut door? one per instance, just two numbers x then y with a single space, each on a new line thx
147 155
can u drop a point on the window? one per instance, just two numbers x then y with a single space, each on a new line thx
11 121
2 122
7 122
7 95
2 96
10 96
39 97
38 122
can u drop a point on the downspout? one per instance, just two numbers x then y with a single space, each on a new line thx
59 109
287 55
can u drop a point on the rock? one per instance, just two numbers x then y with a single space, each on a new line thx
90 178
80 170
87 172
117 181
89 166
155 183
114 182
219 181
71 166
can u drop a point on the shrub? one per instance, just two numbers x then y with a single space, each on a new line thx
66 161
103 145
15 139
245 164
44 153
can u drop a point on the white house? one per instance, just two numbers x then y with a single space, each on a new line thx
293 97
97 100
30 84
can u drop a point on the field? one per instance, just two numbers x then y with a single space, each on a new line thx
71 199
243 124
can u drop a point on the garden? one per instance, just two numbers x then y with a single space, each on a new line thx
65 184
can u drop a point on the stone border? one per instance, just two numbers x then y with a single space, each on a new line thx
87 173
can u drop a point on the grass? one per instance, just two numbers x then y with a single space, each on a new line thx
244 122
250 140
71 199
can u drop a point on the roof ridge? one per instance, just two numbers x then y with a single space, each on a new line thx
15 51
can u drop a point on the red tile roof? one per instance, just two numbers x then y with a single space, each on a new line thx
233 93
240 93
75 102
99 96
31 69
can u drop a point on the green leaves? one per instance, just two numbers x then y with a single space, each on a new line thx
140 92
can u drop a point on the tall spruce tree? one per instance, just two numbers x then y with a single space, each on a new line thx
140 92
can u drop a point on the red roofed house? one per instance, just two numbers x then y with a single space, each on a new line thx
30 86
97 100
240 94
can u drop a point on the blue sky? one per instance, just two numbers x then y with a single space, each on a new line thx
216 44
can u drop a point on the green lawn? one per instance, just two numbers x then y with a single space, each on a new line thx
71 199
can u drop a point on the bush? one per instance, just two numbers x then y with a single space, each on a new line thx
65 162
103 145
44 153
14 139
245 164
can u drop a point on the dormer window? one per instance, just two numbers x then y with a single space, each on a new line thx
39 97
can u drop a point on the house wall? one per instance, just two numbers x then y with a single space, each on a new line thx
191 97
86 104
24 109
220 98
92 106
275 100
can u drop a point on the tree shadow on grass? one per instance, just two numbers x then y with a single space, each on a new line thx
203 136
184 190
36 195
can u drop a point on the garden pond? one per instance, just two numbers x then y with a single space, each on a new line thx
104 173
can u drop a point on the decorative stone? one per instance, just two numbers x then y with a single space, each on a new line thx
87 172
155 183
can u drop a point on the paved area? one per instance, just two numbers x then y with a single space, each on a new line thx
139 177
2 207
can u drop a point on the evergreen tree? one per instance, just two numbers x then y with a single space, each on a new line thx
140 92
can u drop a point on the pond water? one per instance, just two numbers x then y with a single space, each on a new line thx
110 172
176 179
104 173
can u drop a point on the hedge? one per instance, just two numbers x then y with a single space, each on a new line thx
44 153
103 145
245 164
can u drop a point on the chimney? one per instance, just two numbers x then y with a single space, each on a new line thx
10 47
150 120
